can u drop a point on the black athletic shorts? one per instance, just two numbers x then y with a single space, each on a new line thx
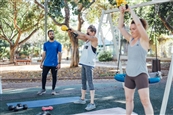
139 82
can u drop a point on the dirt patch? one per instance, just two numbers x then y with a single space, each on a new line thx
63 74
104 71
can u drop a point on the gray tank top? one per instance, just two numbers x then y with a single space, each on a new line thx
136 63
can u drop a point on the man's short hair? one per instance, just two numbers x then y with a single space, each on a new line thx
49 31
92 28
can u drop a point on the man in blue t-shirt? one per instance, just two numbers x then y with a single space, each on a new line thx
51 60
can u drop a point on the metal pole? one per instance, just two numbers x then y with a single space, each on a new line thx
140 5
100 24
45 25
156 11
115 42
0 85
167 88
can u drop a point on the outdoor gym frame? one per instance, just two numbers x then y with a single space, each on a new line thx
170 74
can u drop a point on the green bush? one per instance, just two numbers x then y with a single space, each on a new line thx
26 53
105 56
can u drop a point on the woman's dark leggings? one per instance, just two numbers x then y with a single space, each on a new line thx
44 76
87 75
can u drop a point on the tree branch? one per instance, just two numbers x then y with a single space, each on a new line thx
89 4
67 13
169 17
54 20
23 41
166 24
58 24
15 16
80 19
4 38
3 33
29 28
40 5
13 36
9 27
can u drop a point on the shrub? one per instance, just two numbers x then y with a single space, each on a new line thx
105 56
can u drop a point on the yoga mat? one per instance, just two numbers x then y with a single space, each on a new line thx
111 111
46 102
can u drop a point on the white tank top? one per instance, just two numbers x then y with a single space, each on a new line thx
88 57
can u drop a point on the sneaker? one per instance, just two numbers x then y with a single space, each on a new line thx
80 101
90 107
41 92
53 92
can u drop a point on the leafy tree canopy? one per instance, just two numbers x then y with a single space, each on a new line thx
56 6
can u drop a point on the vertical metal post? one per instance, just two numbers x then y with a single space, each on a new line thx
0 85
100 24
167 88
156 8
45 25
115 42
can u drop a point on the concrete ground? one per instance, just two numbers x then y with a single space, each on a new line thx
109 94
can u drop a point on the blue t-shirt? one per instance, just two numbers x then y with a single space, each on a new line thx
51 49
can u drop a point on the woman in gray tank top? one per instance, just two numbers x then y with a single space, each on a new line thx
137 73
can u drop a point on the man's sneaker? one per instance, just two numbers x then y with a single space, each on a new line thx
90 107
53 92
80 101
41 92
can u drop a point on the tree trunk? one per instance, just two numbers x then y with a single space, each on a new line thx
12 53
68 52
75 52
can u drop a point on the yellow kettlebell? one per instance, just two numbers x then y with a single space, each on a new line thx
64 28
119 2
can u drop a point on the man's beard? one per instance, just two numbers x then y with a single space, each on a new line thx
51 38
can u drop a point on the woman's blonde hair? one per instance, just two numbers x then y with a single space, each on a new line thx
144 23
